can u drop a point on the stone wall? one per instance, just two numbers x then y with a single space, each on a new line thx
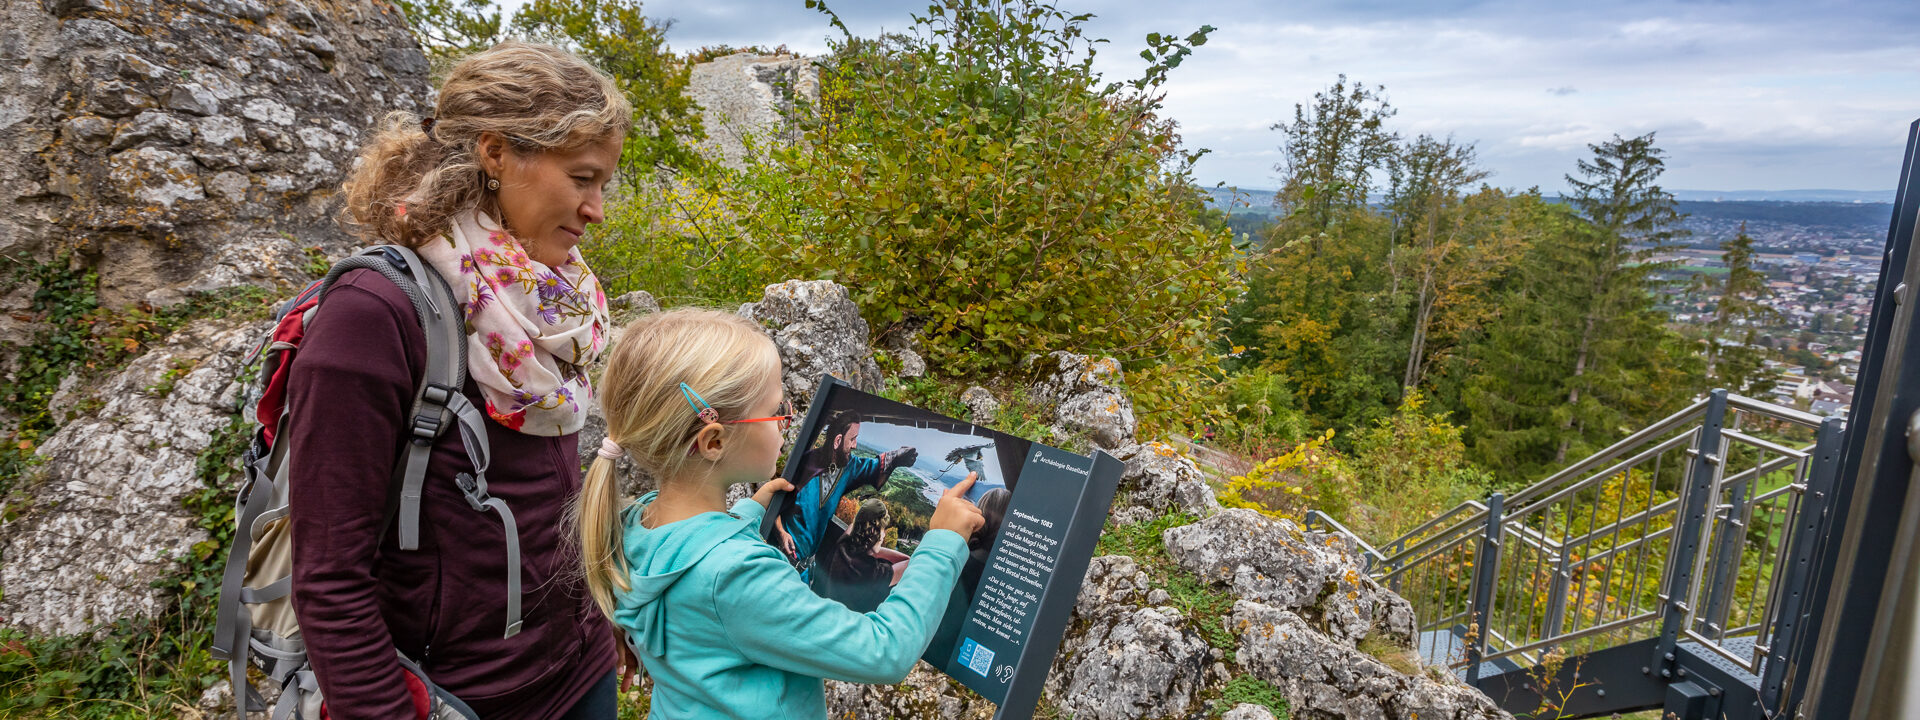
151 139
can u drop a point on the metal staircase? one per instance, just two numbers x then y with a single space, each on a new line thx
1681 550
1737 559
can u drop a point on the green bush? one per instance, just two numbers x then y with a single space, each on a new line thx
976 180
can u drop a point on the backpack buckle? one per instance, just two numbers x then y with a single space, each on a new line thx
437 394
474 488
426 428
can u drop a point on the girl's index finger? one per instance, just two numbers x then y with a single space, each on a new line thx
959 489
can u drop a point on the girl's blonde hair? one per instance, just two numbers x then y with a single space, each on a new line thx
725 358
539 97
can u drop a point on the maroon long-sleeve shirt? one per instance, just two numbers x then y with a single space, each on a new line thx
358 596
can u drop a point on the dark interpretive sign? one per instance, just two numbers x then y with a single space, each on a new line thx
867 473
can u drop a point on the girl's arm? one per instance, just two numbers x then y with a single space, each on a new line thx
349 389
774 619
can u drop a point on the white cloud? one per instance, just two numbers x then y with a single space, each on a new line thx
1756 94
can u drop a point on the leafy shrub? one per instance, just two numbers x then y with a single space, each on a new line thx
1311 476
1412 466
975 180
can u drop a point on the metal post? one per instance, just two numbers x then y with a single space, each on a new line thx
1811 525
1689 527
1729 534
1557 596
1486 569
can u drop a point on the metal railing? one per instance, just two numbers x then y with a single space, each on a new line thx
1687 531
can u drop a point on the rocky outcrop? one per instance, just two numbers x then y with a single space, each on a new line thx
1086 400
184 145
747 98
1128 656
1272 561
819 332
981 407
1323 678
1305 603
1157 480
106 519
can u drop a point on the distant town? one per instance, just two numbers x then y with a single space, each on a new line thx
1821 261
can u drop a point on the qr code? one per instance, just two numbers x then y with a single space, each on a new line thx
977 657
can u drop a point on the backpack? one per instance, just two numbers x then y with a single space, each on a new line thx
256 618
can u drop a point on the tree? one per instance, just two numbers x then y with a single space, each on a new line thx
1453 247
977 182
1618 193
618 39
1530 400
1733 360
450 29
1331 151
613 35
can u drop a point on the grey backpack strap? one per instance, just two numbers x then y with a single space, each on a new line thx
438 400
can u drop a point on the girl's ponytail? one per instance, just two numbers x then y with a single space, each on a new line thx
603 553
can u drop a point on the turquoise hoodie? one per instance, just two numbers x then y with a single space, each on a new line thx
726 627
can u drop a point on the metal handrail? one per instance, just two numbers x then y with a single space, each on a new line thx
1661 427
1316 517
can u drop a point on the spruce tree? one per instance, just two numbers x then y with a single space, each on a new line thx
1618 192
1733 359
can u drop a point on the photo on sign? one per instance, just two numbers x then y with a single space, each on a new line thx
865 490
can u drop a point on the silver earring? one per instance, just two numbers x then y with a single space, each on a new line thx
493 184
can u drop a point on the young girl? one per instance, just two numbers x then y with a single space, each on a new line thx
721 620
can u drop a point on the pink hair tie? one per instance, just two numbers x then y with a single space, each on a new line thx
610 449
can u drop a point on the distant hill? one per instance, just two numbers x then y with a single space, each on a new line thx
1773 222
1817 196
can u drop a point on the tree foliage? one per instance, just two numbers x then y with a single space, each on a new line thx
977 182
613 35
1332 149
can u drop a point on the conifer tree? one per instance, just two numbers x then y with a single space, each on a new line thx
1618 192
1733 360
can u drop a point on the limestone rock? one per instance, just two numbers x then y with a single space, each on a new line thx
981 407
746 98
1130 664
152 140
638 301
1271 561
1324 679
105 519
1086 399
1158 479
1248 711
819 332
925 694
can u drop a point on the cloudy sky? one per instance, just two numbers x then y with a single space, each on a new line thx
1745 94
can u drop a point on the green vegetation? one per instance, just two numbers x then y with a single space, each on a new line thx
1249 689
612 34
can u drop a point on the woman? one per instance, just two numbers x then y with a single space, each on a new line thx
494 191
857 571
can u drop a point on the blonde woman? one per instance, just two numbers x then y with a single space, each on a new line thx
494 190
721 620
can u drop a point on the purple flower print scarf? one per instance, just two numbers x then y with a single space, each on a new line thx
531 329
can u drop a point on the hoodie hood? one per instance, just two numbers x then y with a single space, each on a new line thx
657 558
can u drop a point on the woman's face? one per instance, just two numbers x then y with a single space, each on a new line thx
548 199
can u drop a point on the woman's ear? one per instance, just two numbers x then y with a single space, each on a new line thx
490 150
709 442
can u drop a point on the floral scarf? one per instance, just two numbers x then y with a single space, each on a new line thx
531 329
